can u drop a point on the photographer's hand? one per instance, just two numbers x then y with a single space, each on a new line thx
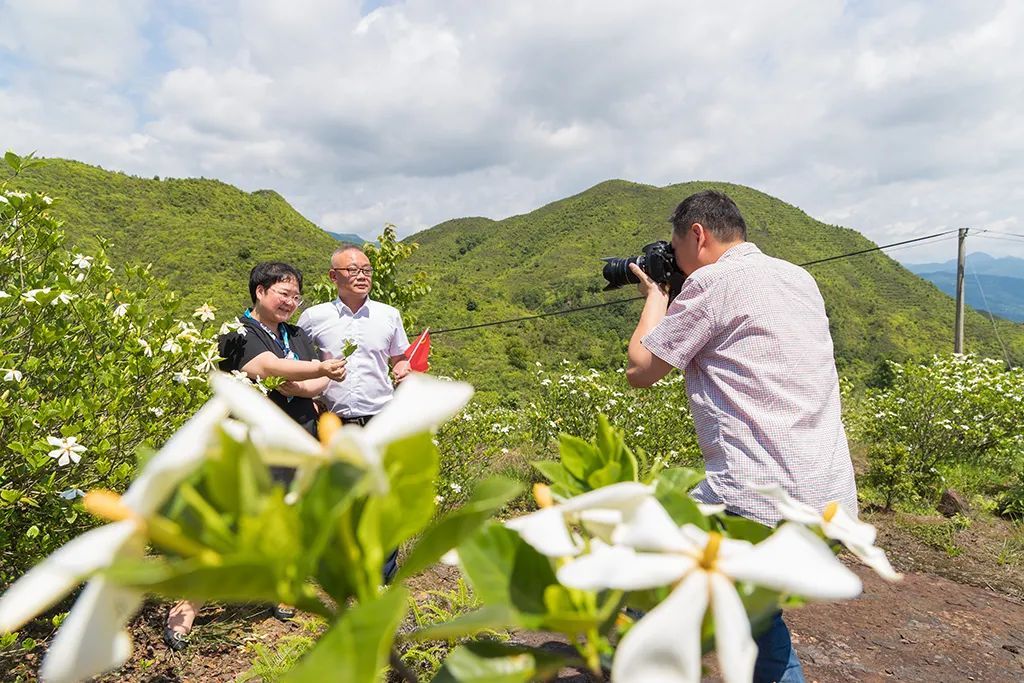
647 286
645 368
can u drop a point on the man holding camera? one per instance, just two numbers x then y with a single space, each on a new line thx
752 336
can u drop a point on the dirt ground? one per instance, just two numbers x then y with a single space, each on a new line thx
931 627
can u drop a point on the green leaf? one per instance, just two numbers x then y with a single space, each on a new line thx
356 648
506 571
672 491
609 474
486 661
744 529
488 497
563 483
235 579
608 441
411 465
578 456
494 617
13 160
680 478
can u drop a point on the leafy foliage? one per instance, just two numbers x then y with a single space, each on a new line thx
92 366
203 236
934 415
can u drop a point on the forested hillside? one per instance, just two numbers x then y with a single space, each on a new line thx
201 235
483 270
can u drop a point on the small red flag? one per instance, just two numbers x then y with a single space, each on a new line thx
418 352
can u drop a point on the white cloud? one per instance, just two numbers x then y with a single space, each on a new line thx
895 120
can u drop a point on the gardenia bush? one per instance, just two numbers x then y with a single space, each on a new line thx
604 538
93 364
940 414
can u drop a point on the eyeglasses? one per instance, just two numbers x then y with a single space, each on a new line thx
353 271
294 298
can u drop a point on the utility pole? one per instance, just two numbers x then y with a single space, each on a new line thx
961 257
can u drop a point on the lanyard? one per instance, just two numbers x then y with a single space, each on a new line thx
282 342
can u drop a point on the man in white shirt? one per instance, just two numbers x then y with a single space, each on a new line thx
376 330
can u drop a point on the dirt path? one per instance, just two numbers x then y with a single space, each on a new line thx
925 629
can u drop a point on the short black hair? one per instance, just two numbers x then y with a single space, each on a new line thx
715 211
270 273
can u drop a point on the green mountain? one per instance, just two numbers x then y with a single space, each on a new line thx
549 259
202 235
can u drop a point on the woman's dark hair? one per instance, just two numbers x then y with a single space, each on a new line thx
270 273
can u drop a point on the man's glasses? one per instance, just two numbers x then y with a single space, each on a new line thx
353 271
294 298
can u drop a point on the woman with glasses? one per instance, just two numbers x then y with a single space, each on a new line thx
267 345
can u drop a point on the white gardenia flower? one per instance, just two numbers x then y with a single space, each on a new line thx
836 523
146 349
82 261
181 377
71 494
30 295
92 638
4 295
421 403
651 551
171 346
11 374
205 313
600 510
457 488
67 450
209 361
121 310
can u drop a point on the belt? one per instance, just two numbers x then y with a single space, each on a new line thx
356 419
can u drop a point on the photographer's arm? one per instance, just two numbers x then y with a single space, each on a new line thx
644 367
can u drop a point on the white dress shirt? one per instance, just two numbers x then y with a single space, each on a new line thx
752 335
377 330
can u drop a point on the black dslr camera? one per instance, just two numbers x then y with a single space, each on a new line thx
658 262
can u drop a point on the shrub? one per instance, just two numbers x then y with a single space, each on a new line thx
951 410
92 365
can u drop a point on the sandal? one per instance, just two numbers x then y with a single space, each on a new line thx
284 612
178 625
175 641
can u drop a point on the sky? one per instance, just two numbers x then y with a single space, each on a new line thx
895 119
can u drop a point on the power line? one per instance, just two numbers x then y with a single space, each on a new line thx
639 298
868 251
997 232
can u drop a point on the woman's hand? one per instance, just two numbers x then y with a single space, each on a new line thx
333 368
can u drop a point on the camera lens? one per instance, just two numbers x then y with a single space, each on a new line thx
617 273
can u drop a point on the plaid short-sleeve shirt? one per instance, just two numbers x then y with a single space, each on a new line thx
751 334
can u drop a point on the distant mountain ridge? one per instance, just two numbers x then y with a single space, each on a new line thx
349 238
994 284
979 262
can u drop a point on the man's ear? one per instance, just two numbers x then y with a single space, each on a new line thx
700 233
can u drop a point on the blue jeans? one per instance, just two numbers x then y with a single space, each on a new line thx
776 659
